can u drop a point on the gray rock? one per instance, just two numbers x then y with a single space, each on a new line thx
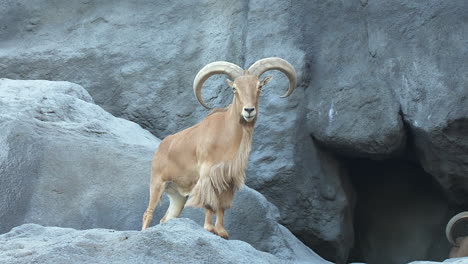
414 55
351 110
66 162
422 57
383 62
306 183
135 58
306 177
255 220
454 261
372 74
401 214
177 241
141 67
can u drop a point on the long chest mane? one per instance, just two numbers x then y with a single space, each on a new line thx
231 174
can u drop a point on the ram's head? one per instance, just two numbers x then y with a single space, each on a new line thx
245 84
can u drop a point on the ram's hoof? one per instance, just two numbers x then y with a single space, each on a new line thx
222 233
209 228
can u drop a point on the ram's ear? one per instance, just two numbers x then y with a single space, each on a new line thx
230 83
265 81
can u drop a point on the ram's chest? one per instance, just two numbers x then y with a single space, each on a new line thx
231 174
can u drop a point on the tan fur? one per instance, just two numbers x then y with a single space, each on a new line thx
217 110
207 161
216 190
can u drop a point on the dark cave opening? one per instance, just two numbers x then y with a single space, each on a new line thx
400 213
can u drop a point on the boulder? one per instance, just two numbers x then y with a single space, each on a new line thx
352 110
392 75
66 162
422 58
311 190
255 220
177 241
387 71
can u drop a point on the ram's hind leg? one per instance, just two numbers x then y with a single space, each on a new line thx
177 203
156 190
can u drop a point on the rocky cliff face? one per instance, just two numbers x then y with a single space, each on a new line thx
388 63
377 80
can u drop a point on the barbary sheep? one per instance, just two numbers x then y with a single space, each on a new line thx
460 245
206 163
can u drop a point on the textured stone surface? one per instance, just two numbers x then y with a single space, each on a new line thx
255 220
138 60
413 55
309 178
135 58
372 74
378 63
177 241
352 109
306 183
66 162
423 55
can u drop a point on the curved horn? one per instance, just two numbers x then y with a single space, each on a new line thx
217 67
273 63
456 219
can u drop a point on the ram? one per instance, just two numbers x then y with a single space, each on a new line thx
460 245
205 164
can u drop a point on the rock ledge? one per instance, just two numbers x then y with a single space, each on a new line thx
177 241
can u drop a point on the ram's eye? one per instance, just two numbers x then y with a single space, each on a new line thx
233 89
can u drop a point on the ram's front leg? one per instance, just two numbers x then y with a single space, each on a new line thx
208 221
219 226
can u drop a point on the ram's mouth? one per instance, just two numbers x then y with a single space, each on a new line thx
249 118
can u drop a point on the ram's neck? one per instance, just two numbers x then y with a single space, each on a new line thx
229 172
241 133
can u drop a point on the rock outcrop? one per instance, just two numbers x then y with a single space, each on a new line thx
387 71
177 241
66 162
